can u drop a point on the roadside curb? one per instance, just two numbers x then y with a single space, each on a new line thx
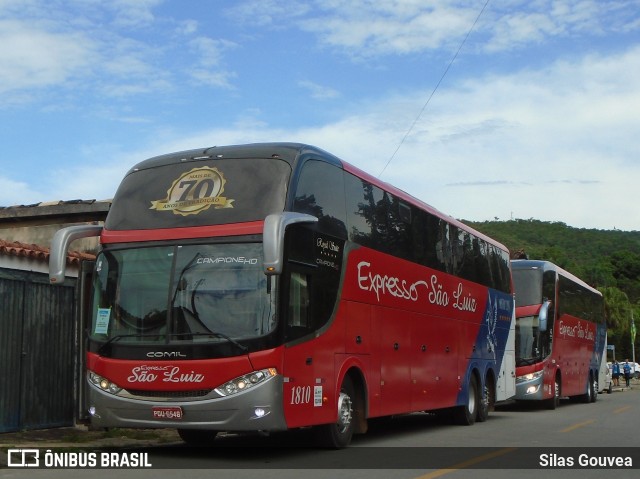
81 436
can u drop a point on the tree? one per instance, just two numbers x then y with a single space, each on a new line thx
617 309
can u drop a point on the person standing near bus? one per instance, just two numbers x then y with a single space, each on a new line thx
626 368
615 373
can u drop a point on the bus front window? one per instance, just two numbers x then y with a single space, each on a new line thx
527 340
531 343
181 294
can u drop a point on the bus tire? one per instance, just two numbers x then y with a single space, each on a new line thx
338 435
596 388
487 400
589 395
198 437
554 402
466 414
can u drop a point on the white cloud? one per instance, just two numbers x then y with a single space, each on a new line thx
274 13
100 48
558 144
132 13
11 189
32 57
208 70
319 92
369 28
366 28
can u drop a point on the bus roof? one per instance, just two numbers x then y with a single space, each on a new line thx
289 152
519 264
292 152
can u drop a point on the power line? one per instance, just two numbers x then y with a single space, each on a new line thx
424 107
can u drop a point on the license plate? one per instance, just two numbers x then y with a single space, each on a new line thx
167 413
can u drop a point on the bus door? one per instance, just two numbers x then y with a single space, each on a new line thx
309 291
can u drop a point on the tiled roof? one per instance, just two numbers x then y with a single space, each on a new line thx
33 251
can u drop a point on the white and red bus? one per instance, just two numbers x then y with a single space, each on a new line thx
560 334
267 287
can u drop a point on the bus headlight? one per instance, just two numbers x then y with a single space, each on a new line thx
529 377
247 381
103 383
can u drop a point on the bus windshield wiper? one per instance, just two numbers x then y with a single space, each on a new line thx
118 337
526 361
217 335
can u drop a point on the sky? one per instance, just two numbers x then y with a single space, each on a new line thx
499 109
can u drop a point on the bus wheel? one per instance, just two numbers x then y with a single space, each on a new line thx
197 437
596 388
589 396
487 401
554 402
338 434
466 415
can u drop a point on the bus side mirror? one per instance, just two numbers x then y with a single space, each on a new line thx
543 316
60 244
273 238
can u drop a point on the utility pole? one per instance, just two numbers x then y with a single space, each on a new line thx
633 339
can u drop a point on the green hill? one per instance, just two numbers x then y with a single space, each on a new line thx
608 260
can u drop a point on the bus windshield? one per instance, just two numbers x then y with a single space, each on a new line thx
527 284
531 343
181 294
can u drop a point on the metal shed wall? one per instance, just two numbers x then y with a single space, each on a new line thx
38 352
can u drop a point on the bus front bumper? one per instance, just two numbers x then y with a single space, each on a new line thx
256 409
530 387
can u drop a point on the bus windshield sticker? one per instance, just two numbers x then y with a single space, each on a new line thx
193 192
227 260
102 321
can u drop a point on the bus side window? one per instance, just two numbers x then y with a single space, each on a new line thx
298 318
320 193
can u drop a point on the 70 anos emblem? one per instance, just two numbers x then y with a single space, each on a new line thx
195 191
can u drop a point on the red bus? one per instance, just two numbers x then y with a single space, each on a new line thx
560 334
267 287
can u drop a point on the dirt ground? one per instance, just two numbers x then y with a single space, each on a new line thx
82 436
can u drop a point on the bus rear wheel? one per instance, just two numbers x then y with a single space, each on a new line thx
592 391
338 435
466 415
487 401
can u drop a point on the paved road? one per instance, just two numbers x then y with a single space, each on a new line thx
421 446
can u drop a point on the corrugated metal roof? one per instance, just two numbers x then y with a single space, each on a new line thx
34 251
90 210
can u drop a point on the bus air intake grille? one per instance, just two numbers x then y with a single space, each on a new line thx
170 394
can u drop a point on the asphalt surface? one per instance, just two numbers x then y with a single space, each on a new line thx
82 436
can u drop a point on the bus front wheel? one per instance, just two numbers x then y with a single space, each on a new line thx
338 435
554 402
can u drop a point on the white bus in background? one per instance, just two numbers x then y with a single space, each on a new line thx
605 384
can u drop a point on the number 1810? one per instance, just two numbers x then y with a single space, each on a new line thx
301 395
